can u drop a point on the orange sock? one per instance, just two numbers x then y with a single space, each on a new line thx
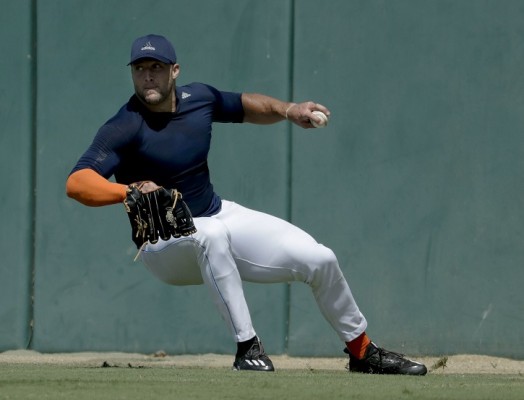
357 347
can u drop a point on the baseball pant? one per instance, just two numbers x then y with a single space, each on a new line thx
239 244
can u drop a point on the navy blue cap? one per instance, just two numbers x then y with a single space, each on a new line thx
153 46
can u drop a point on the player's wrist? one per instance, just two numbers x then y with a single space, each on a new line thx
288 109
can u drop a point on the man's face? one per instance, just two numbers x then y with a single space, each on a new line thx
154 81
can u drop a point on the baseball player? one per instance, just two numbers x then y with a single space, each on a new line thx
161 136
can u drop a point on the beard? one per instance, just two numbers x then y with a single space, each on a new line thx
152 96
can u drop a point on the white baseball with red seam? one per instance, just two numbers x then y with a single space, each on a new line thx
323 119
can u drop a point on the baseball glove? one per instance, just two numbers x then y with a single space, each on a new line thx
158 213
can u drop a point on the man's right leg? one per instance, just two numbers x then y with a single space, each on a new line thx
206 257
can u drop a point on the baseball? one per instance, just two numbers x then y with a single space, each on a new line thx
324 118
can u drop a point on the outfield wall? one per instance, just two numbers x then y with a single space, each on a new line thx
415 184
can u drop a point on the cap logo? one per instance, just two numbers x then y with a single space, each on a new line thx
148 46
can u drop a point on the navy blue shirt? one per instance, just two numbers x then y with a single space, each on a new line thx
170 149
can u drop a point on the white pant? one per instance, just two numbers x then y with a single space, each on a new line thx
241 244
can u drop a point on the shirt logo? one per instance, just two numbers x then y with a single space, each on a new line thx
185 95
148 46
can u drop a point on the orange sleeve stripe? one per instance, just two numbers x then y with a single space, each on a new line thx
92 189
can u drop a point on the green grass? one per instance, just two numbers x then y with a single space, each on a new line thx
78 383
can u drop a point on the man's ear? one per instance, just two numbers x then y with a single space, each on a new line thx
175 71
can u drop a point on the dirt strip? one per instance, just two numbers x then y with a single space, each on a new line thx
457 364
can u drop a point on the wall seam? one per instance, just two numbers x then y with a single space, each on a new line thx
33 168
289 177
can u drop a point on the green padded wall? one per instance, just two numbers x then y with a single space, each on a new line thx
415 184
424 155
16 147
89 293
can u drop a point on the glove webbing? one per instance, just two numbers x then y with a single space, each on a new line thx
177 196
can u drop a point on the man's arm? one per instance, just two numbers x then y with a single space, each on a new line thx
91 189
262 109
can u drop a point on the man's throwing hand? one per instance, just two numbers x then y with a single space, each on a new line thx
303 114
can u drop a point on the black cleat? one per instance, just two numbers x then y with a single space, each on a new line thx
380 361
255 359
